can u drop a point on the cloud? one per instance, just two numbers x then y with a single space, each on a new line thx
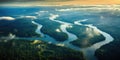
29 17
32 0
89 8
53 16
39 13
9 37
58 2
60 44
7 18
58 30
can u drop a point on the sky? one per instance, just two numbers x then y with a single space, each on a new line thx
59 2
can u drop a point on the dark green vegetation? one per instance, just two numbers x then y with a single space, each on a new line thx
107 20
110 23
110 51
86 36
49 28
36 50
18 27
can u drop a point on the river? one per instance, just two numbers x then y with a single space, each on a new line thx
89 51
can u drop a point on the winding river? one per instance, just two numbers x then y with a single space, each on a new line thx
64 25
38 28
43 36
89 51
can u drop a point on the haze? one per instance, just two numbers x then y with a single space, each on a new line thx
59 2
